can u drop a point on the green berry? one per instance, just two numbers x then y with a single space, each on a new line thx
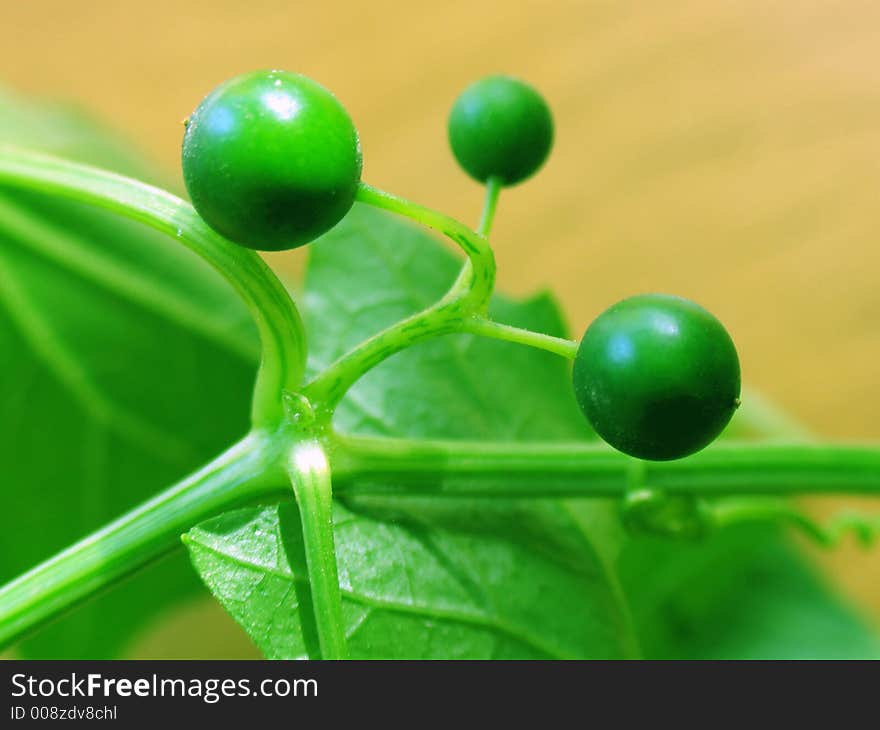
657 376
271 160
500 127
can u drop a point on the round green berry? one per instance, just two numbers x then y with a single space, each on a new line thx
657 376
500 127
271 160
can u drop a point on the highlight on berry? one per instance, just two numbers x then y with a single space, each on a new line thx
657 376
271 160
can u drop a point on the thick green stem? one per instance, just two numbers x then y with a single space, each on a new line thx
310 477
276 317
369 466
247 472
254 470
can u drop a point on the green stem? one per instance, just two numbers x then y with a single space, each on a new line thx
445 317
490 204
254 470
487 328
468 297
864 528
276 317
734 511
248 471
374 466
328 387
482 261
310 476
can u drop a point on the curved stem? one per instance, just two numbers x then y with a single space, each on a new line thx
374 466
310 477
487 328
865 528
490 204
278 322
246 472
326 390
445 317
468 296
482 261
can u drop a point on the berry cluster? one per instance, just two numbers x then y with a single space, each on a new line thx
272 160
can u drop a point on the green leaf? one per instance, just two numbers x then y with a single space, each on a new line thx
744 594
412 588
117 379
423 578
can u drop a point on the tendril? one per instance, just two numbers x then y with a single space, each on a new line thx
652 512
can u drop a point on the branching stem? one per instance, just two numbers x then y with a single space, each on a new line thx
467 298
265 464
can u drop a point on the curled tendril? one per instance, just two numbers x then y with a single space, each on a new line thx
865 528
652 512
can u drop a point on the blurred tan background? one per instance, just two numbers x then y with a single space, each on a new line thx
724 150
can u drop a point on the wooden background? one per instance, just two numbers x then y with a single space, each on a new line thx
725 150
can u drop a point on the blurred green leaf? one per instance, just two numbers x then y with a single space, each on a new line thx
113 384
744 594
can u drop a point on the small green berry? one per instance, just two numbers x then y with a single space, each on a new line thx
271 160
500 127
657 376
